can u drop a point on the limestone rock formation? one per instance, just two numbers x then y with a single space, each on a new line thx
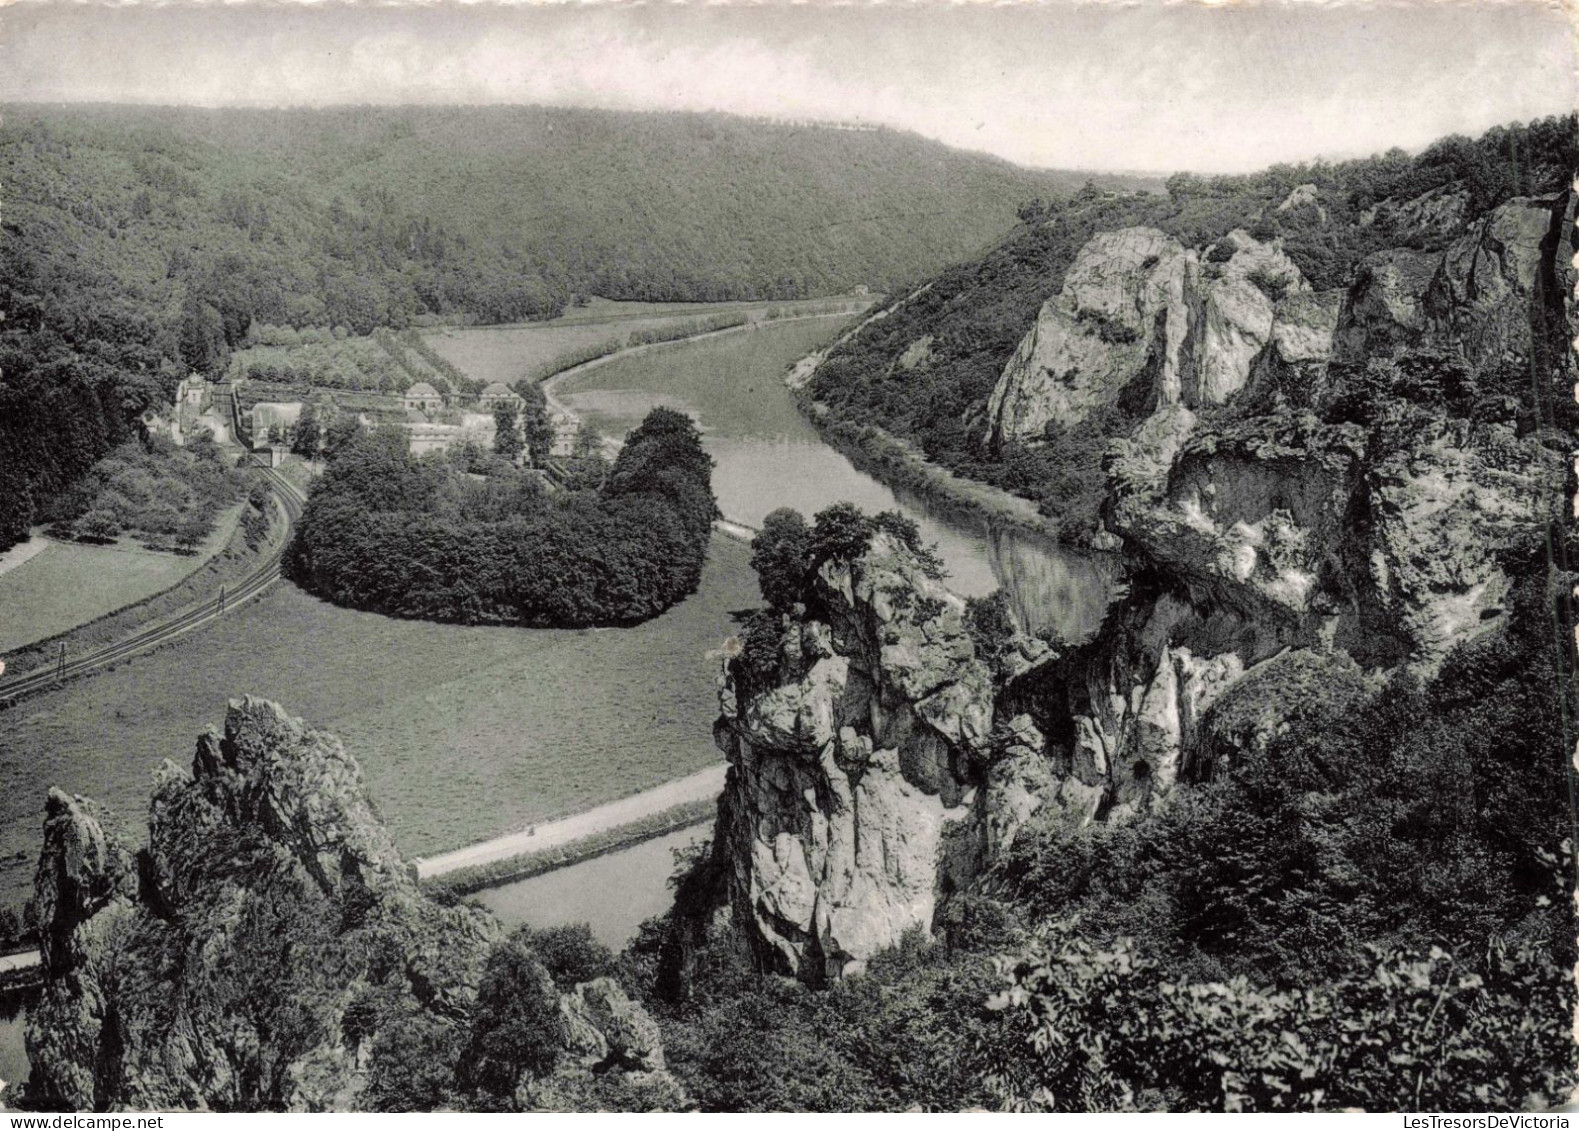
853 762
1143 322
1385 307
216 968
1124 299
607 1029
1304 196
1291 516
1439 210
1486 298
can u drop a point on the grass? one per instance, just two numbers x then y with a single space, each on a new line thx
70 583
463 733
506 353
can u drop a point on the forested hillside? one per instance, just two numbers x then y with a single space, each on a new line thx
926 369
142 242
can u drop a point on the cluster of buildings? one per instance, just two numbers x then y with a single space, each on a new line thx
433 421
435 425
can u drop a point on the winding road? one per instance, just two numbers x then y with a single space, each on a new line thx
256 583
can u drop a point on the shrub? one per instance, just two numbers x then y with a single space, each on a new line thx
569 953
762 644
1102 1028
904 530
990 622
516 1024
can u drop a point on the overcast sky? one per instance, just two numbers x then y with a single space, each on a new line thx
1096 86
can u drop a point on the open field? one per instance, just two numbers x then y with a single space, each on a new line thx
735 376
506 353
464 733
69 583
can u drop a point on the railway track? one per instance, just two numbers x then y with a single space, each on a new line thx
255 584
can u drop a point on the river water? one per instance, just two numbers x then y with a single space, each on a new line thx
766 456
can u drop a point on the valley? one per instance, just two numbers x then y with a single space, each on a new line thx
1107 671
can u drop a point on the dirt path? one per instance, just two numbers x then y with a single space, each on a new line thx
24 551
700 786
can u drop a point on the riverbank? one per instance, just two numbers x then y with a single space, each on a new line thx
531 865
538 848
549 383
903 467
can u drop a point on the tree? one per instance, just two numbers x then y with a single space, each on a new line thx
309 434
203 345
990 622
589 442
342 433
839 533
507 439
189 531
537 426
516 1025
781 555
570 954
98 526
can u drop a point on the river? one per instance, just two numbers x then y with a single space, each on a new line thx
767 455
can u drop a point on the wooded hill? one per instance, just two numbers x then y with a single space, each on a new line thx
974 314
140 242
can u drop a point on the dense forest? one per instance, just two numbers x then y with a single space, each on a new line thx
141 243
386 531
975 314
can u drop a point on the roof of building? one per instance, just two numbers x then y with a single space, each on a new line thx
422 389
500 389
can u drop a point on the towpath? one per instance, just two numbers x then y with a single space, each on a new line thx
700 786
12 964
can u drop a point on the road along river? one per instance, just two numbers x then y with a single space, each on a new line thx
767 456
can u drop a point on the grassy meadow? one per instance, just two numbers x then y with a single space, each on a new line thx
463 733
71 583
507 353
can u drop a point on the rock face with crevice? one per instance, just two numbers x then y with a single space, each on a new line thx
859 767
1270 537
1147 325
215 969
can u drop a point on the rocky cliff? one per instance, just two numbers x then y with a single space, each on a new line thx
1143 319
1329 484
869 771
265 948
